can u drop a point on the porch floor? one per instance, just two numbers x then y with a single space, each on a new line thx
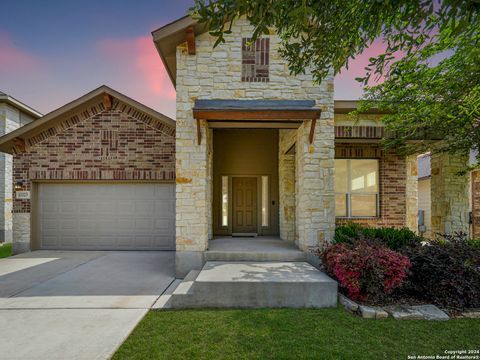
261 248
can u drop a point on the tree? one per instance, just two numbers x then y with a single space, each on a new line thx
430 67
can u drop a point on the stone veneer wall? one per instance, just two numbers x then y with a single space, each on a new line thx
286 188
393 181
411 192
108 146
475 203
215 73
449 193
315 186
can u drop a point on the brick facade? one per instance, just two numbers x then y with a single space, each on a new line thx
393 180
108 146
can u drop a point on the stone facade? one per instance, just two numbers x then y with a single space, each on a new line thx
449 193
315 186
11 119
411 193
215 73
475 203
286 178
393 183
100 145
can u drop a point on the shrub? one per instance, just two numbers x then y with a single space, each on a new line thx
5 250
446 272
394 238
365 271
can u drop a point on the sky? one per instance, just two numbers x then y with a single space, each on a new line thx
54 51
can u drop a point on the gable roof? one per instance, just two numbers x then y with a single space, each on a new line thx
85 106
168 37
5 98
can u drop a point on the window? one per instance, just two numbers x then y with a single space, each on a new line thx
265 201
255 60
224 200
356 187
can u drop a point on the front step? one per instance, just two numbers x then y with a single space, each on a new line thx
255 285
253 250
254 256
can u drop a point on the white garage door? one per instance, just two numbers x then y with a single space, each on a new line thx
106 216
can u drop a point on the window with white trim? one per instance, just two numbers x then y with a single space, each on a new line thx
356 188
265 201
224 201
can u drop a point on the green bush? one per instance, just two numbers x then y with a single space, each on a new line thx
474 243
394 238
5 250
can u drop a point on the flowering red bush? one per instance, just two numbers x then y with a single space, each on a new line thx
366 271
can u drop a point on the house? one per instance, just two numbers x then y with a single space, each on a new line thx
254 152
13 114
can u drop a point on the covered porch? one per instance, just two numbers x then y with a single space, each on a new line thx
254 173
263 169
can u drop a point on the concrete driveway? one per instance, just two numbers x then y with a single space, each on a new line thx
76 304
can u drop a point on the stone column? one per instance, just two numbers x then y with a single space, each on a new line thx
286 179
411 193
193 175
475 203
449 193
315 197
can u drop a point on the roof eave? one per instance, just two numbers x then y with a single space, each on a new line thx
21 106
6 140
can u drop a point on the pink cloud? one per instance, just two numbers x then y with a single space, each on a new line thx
356 67
14 58
346 87
141 60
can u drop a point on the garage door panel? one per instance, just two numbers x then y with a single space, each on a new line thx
106 216
162 240
144 192
50 240
69 241
143 241
164 193
144 208
125 207
164 206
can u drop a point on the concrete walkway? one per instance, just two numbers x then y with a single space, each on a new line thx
76 305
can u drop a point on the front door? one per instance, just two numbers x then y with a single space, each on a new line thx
244 204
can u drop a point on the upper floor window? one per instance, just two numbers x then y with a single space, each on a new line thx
356 188
255 59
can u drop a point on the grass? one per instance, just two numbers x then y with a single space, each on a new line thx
5 250
291 334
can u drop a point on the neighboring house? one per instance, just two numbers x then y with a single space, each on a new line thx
13 114
254 151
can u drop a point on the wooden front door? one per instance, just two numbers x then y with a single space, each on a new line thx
244 204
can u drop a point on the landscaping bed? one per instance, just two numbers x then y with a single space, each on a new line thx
396 269
291 334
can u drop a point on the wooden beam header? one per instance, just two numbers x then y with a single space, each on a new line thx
191 40
257 115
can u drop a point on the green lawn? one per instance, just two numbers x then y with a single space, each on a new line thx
291 334
5 250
